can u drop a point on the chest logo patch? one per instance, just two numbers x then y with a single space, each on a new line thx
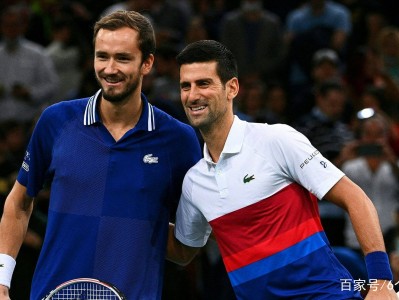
149 159
248 179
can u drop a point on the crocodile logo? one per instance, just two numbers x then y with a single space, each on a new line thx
150 159
248 179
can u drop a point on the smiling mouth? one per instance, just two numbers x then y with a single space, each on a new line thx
198 108
112 80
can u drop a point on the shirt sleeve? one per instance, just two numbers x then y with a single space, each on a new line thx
191 227
303 163
35 166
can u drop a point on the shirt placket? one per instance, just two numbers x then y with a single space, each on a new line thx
221 179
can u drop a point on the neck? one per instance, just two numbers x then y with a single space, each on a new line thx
215 138
118 118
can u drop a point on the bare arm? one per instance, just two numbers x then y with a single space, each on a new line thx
178 252
364 218
362 213
14 223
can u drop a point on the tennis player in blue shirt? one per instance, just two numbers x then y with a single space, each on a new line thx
116 165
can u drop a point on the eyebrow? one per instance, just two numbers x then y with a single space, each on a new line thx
100 52
200 80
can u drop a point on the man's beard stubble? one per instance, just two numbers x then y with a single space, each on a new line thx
119 97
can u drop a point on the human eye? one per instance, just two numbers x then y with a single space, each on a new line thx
204 83
101 56
124 57
184 86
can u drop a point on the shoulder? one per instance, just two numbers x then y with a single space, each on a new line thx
275 138
64 110
53 121
270 132
178 136
65 107
166 122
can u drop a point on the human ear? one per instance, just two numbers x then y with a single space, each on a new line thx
232 88
147 64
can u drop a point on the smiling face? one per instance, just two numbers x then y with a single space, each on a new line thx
118 63
208 102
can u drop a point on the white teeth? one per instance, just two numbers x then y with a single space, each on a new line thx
197 108
112 80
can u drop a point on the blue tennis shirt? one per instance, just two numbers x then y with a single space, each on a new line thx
110 201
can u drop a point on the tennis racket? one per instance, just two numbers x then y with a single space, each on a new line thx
85 289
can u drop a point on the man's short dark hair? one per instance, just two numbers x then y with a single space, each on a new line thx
134 20
208 51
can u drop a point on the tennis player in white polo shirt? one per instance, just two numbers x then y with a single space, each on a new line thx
256 188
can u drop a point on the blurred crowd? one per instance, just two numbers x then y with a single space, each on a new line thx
328 68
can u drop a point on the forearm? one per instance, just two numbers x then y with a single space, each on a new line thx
177 252
13 226
364 218
366 225
365 222
14 222
362 213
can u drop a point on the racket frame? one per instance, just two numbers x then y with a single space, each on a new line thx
85 280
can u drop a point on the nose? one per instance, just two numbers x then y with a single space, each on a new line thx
110 67
193 94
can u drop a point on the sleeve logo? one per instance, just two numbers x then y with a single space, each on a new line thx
25 163
307 160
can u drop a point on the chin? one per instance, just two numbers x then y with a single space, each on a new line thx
114 98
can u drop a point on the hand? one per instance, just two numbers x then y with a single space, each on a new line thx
4 293
383 290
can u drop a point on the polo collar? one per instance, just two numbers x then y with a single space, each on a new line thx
146 121
234 142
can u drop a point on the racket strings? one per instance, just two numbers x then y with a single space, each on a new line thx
85 291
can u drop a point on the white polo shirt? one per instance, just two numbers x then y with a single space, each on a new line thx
260 201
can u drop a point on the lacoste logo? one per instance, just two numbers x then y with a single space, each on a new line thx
149 159
2 265
248 179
